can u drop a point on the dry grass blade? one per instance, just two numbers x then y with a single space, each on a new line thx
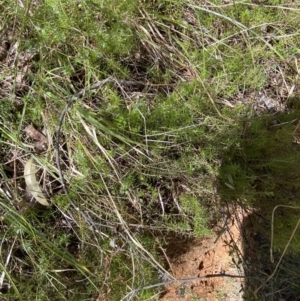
69 103
133 240
92 133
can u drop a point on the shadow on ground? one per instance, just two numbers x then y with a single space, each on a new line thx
284 283
260 173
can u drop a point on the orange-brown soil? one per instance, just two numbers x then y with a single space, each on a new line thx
211 256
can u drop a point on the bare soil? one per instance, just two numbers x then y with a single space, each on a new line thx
218 257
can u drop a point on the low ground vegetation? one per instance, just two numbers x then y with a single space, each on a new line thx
201 111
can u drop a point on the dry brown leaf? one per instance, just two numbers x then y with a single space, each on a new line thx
41 140
35 134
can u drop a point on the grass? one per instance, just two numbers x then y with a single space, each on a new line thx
140 162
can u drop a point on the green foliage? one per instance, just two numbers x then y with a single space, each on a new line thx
263 169
191 208
143 157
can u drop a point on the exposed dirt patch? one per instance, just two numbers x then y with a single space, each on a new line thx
218 258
